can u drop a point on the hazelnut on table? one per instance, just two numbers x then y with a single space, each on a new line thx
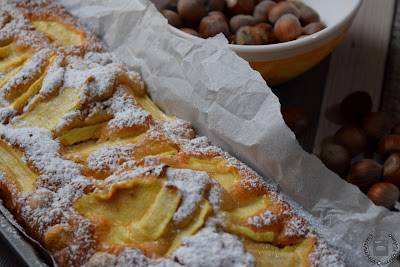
384 194
364 173
391 169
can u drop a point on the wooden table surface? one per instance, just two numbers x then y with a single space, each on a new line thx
367 59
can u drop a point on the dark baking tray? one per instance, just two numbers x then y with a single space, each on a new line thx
16 248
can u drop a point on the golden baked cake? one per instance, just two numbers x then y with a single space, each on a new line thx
95 172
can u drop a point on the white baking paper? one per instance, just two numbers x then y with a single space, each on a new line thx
204 82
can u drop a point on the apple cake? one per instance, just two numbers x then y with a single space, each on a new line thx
100 176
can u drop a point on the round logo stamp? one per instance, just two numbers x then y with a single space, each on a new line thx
380 247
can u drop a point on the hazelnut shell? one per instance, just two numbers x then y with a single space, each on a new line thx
192 11
280 9
391 169
389 144
384 194
308 15
173 18
268 35
192 32
353 138
236 7
287 28
249 36
241 20
216 5
297 3
364 173
212 25
296 118
262 9
335 157
313 27
375 125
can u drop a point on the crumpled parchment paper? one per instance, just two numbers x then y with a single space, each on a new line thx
204 82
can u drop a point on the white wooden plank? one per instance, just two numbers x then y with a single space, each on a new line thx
358 63
391 89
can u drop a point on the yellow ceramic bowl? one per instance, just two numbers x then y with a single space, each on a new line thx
278 63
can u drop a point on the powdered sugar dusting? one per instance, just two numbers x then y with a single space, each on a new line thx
60 181
95 82
52 80
29 70
6 114
264 219
109 157
324 255
192 184
209 247
296 227
129 170
20 29
127 111
103 58
43 152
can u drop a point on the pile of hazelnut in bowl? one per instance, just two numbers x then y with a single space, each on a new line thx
245 22
365 151
280 39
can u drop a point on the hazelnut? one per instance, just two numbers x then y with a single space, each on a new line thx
296 118
313 28
335 157
375 125
249 36
172 17
239 21
216 5
192 11
192 32
308 15
267 33
396 129
169 4
384 194
389 144
218 13
391 169
261 10
364 173
356 105
353 138
281 9
212 25
232 38
287 28
297 3
236 7
58 236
